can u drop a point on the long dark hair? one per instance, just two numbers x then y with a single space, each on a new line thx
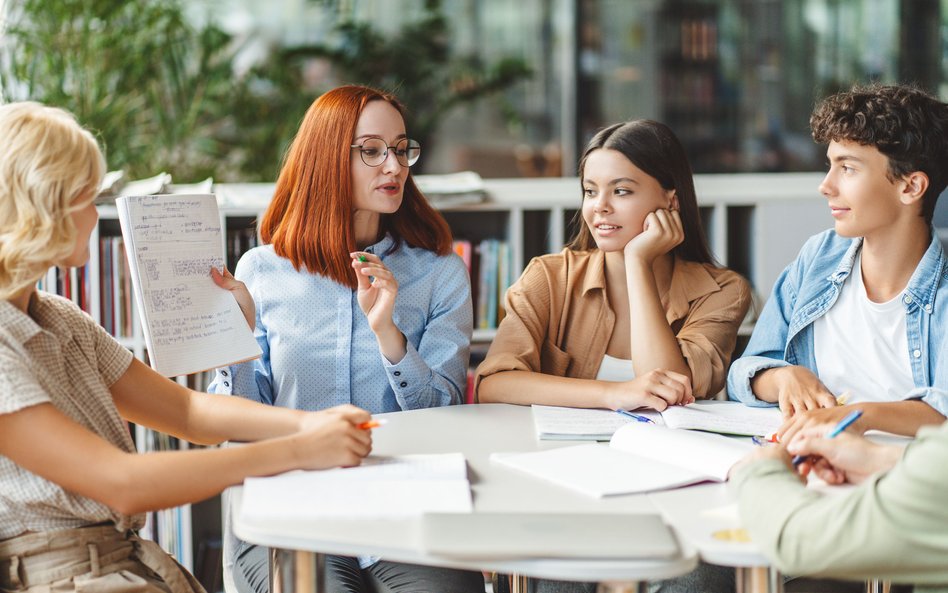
652 147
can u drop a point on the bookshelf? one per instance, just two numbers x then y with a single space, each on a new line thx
697 98
756 223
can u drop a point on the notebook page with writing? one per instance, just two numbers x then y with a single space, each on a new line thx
579 424
724 417
190 324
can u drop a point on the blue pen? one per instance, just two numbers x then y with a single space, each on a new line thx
635 416
843 425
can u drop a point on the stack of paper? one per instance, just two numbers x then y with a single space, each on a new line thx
452 189
640 458
381 488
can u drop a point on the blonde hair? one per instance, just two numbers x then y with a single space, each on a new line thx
49 167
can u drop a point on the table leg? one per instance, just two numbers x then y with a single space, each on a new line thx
623 587
293 571
758 579
519 583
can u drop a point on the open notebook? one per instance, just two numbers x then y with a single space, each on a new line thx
190 323
573 424
640 458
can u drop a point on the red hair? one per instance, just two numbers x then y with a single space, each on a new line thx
309 220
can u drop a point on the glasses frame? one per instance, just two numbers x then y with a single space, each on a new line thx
405 163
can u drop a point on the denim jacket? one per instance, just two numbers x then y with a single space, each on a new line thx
809 286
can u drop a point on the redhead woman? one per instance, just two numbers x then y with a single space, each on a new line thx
72 488
360 300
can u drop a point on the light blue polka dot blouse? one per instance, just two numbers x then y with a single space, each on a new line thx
318 349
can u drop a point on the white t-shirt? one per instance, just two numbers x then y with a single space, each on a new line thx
861 346
615 369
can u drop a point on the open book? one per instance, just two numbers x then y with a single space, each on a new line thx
381 488
640 457
571 424
190 323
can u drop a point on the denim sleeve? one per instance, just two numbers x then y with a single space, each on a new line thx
933 396
435 373
250 379
768 343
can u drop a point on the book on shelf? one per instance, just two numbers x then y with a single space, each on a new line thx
732 418
640 457
491 278
190 324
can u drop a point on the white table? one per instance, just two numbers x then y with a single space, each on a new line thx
706 518
705 515
476 431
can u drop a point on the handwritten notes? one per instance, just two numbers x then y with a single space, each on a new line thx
190 323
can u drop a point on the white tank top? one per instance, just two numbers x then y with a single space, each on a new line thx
615 369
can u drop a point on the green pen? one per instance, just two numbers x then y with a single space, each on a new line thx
363 259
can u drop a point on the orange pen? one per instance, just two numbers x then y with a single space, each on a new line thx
372 424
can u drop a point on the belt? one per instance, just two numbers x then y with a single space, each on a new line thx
38 559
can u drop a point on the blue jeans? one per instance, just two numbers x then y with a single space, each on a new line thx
706 578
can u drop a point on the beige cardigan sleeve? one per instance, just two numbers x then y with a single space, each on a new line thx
894 526
709 333
518 344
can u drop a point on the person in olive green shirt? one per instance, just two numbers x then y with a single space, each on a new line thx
893 526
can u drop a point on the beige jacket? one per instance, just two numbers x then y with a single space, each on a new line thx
559 320
893 527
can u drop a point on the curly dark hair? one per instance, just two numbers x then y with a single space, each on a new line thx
903 122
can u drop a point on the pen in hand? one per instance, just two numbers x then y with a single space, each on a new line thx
843 425
636 417
371 424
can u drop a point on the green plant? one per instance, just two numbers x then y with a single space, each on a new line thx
154 88
162 94
417 65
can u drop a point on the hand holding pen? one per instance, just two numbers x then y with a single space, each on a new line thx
832 434
847 457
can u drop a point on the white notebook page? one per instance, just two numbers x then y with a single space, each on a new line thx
190 323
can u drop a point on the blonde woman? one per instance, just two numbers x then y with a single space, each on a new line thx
73 488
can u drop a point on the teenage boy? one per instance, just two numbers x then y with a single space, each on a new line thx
863 310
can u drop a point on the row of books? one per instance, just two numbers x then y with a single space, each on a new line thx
698 39
171 528
490 265
69 283
116 309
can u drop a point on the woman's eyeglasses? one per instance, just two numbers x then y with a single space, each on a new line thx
374 151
